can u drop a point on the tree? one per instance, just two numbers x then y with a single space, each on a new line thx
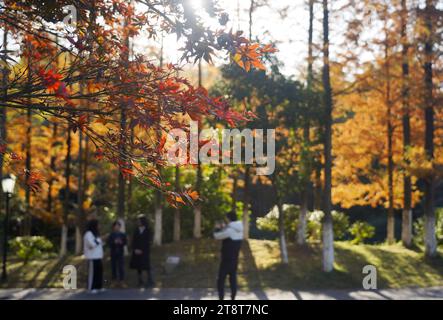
177 218
80 192
4 98
277 103
307 170
113 82
390 64
199 175
328 234
429 192
389 127
158 210
66 195
406 233
28 161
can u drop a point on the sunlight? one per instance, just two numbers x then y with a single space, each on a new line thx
163 147
197 4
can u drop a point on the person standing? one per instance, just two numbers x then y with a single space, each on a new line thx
232 236
117 242
93 252
141 251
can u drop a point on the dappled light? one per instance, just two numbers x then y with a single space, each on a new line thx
221 149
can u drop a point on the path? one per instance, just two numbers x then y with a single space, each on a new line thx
210 294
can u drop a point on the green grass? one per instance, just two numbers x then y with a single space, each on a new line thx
259 267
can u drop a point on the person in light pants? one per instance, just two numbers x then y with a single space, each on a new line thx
93 252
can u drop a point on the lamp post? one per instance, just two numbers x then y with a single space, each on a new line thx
8 184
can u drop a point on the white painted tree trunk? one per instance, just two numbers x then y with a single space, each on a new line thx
122 224
177 218
406 230
123 229
282 237
301 229
177 227
78 241
283 249
64 240
246 222
430 237
158 226
197 222
328 246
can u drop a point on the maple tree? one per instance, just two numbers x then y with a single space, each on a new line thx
112 80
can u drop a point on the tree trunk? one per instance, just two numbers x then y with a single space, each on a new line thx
63 239
4 97
318 189
234 193
406 228
121 178
390 131
158 219
52 166
85 173
251 11
282 235
177 218
28 216
246 204
328 233
53 153
429 201
130 184
301 230
197 208
121 199
64 228
80 193
158 215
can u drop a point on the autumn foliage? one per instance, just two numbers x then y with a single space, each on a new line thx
82 79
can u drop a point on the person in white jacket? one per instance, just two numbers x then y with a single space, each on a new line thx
93 252
232 236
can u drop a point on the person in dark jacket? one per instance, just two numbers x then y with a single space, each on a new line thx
232 236
141 251
117 242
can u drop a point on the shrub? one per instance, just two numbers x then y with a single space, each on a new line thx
27 248
340 224
270 221
313 223
361 231
419 230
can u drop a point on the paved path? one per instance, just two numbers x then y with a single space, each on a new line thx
210 294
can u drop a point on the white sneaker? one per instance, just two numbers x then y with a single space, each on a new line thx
93 291
102 290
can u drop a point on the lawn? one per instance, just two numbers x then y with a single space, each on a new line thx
259 267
